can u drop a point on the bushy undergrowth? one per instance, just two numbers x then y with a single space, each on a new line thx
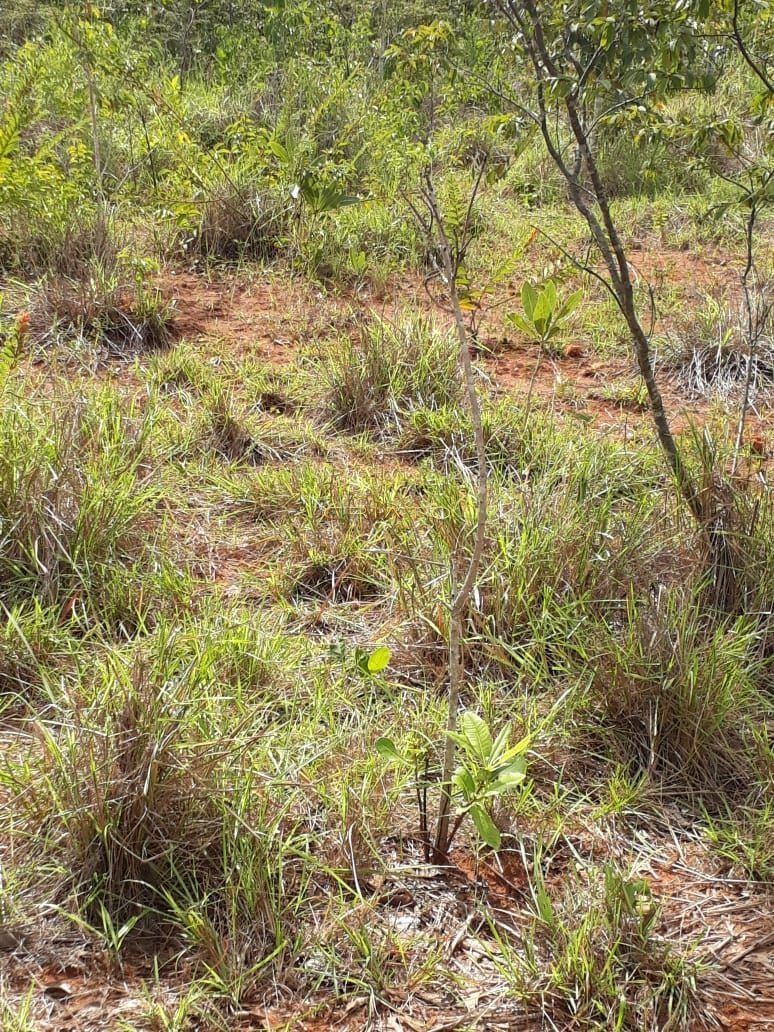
241 221
213 783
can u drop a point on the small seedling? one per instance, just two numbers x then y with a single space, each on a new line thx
545 316
489 768
364 660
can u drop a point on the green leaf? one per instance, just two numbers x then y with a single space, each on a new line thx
458 739
529 297
522 324
463 781
510 775
543 904
543 309
279 151
542 325
569 306
379 660
485 826
476 735
517 749
358 261
582 417
388 751
500 744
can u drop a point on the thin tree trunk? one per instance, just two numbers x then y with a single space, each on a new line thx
609 242
461 597
753 332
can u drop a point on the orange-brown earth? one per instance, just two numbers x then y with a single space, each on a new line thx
271 317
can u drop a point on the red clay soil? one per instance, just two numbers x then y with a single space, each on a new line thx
269 317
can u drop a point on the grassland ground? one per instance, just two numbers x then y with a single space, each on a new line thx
286 288
199 832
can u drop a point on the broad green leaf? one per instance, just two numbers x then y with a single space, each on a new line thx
462 779
529 298
485 826
569 306
477 735
542 326
458 739
544 308
389 751
511 775
379 660
522 324
358 261
279 151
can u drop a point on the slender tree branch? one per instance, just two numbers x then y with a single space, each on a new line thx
757 312
745 51
462 593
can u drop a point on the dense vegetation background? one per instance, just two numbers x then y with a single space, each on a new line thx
240 487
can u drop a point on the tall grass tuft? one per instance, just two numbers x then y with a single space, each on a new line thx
75 506
373 382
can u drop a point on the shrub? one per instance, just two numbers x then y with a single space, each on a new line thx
240 220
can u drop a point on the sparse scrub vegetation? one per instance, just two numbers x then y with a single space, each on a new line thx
386 529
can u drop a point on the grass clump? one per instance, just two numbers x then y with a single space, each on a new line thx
238 221
102 305
744 840
336 547
594 956
75 508
217 421
32 642
683 696
99 308
138 805
373 382
708 353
